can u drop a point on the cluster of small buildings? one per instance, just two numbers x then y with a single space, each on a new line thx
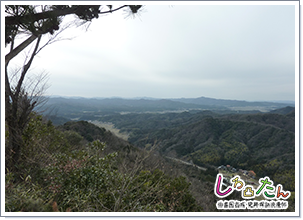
229 168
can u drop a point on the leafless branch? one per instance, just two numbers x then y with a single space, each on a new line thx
56 37
18 49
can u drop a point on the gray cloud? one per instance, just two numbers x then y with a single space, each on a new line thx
239 52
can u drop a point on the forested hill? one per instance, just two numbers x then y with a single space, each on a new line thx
70 169
91 132
200 183
288 110
263 142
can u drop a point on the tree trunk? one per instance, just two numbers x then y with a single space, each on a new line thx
15 144
18 107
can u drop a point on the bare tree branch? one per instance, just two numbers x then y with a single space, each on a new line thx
27 66
18 49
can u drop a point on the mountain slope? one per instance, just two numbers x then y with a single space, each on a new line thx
261 142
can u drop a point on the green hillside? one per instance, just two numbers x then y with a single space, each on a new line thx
79 167
263 142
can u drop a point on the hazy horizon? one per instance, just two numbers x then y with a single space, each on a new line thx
157 98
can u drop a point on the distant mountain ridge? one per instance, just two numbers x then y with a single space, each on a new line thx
74 107
228 102
200 100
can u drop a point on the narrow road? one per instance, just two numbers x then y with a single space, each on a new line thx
187 163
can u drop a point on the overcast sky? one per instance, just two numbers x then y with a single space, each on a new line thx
243 52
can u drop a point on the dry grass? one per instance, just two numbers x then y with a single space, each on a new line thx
111 127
